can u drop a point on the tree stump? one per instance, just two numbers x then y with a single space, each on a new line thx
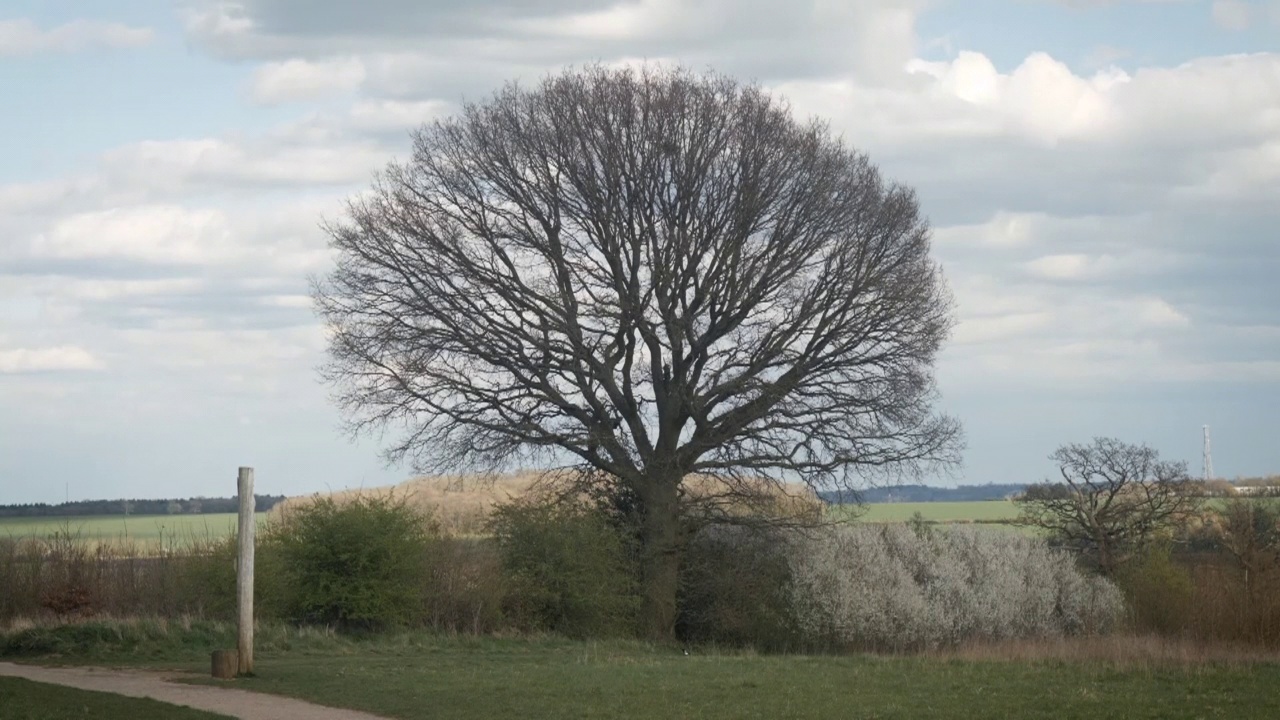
226 664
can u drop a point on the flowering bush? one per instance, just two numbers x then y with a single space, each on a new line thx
899 587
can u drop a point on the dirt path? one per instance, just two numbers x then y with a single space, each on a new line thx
158 686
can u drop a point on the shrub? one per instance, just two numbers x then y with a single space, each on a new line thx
1159 591
359 565
464 586
567 568
900 588
735 588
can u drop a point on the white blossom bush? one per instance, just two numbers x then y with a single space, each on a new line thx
899 587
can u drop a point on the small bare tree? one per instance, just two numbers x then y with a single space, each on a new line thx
1112 498
650 273
1248 529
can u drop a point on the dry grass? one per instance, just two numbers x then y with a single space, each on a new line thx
68 577
1118 650
461 504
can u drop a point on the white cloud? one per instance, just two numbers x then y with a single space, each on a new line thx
300 80
384 115
1061 267
623 21
24 37
995 328
1232 14
872 38
1156 312
1041 99
48 359
167 165
1003 230
281 240
158 234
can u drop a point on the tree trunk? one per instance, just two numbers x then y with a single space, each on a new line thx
660 557
1106 563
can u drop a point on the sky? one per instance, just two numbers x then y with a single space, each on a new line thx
1102 178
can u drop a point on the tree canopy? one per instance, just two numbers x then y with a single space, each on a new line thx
1112 498
650 273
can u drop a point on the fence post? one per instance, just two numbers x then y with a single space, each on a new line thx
244 571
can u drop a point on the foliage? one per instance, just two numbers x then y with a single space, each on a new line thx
735 589
568 568
361 564
898 588
465 588
1113 499
1159 591
104 639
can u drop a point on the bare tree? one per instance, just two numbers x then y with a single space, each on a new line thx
646 272
1248 529
1112 498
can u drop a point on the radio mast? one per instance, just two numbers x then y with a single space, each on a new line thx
1208 457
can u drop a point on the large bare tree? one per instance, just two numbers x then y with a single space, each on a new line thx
652 273
1111 499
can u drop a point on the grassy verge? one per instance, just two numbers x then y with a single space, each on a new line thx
25 700
420 675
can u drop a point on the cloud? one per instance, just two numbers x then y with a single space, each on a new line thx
756 38
50 359
24 37
156 234
1104 231
1232 14
300 80
280 161
1061 267
1102 3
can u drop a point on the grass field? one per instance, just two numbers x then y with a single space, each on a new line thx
25 700
943 512
420 675
489 679
144 529
154 529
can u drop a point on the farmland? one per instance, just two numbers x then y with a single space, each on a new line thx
941 512
143 529
157 529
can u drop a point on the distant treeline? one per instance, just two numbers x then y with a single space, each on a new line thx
926 493
1267 485
188 506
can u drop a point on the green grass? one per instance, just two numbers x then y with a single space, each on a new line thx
943 512
145 529
488 678
25 700
418 675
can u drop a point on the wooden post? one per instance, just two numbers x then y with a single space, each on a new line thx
224 664
244 571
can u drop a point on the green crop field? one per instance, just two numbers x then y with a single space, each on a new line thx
144 529
942 512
